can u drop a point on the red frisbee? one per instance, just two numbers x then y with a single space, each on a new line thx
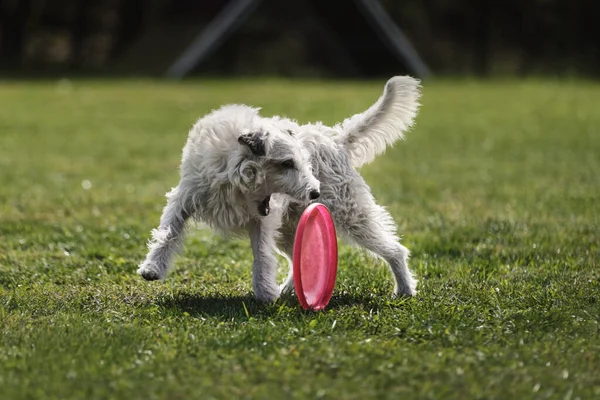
315 257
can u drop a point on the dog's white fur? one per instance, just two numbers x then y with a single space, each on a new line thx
242 173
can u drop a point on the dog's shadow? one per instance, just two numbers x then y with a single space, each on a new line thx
247 306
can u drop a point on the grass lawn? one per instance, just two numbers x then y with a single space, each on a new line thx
496 192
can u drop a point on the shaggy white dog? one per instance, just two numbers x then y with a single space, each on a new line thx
242 173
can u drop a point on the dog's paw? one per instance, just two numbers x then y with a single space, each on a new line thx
406 290
150 271
267 294
287 288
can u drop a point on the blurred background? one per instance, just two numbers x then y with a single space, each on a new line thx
302 38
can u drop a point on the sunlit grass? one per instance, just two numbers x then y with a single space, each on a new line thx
496 192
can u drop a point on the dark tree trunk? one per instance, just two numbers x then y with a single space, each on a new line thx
13 30
78 34
483 38
131 22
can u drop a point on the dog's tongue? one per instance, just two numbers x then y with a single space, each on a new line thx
263 207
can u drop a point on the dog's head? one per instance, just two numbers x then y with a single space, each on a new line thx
274 161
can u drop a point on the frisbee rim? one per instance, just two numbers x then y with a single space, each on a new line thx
320 210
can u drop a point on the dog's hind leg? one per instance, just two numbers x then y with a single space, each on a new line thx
374 229
168 238
285 244
264 267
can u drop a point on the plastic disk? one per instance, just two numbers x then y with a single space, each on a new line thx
315 257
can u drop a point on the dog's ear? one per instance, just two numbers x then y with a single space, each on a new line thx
255 141
246 176
248 171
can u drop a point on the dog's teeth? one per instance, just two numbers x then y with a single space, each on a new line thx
263 207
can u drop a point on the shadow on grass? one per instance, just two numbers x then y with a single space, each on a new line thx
247 306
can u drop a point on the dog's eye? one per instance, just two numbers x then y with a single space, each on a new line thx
288 164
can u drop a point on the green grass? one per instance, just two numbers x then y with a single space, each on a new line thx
496 192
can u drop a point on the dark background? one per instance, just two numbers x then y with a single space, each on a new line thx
286 38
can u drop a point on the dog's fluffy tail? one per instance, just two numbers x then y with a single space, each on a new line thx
366 135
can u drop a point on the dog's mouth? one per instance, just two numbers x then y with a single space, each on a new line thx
263 206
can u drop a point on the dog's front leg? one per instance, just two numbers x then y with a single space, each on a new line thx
168 238
264 268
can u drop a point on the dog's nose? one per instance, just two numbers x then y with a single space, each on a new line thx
314 194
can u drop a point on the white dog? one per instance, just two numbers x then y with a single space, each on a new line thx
242 173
